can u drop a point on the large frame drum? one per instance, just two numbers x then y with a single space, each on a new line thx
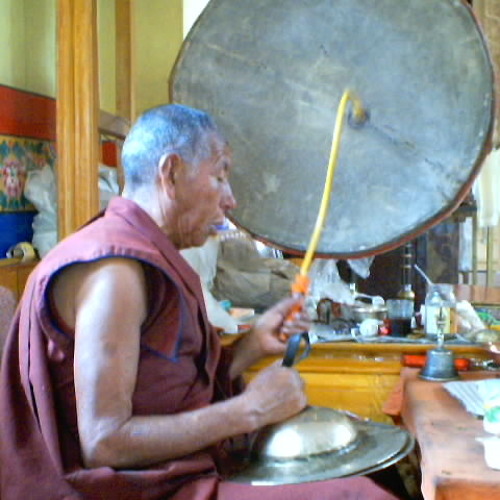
272 73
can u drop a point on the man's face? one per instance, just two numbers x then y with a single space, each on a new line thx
203 197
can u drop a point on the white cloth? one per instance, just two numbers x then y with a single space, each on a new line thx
487 190
204 261
465 245
473 394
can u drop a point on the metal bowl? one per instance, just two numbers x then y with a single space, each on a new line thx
360 312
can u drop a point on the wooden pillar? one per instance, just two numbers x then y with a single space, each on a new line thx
77 114
488 15
125 59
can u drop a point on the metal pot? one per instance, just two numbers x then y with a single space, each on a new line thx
360 311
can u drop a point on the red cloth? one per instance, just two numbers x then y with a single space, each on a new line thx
182 367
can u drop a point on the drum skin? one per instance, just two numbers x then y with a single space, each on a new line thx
272 73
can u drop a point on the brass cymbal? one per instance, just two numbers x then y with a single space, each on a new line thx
322 443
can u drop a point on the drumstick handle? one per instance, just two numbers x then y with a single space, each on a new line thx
300 287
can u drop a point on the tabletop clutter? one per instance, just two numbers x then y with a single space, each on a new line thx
342 313
241 277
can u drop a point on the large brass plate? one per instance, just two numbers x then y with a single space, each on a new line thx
272 73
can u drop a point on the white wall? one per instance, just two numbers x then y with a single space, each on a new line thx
192 9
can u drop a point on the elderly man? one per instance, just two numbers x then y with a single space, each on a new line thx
114 384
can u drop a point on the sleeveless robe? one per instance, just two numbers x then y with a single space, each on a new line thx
182 367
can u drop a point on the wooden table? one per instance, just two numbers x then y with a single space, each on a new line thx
452 461
14 274
357 377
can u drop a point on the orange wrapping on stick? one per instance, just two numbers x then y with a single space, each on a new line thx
301 287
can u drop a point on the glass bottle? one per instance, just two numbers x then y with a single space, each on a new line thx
440 310
406 291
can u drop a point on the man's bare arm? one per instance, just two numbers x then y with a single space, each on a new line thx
109 310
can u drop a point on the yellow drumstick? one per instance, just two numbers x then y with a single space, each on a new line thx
302 281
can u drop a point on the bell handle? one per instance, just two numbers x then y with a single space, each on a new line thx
292 348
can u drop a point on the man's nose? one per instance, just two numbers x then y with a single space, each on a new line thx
228 201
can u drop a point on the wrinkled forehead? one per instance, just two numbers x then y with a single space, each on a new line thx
220 149
219 143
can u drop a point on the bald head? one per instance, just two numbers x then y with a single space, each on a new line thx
165 130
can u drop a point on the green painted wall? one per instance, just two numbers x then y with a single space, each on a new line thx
158 40
28 45
28 50
12 43
40 56
107 54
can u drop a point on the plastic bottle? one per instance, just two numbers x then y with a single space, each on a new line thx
440 310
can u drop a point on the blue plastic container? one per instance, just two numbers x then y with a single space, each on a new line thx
14 228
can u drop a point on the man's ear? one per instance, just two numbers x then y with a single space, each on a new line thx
169 170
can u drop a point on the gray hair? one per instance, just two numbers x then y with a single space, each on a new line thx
164 130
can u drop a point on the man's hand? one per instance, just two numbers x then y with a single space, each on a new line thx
270 334
275 394
272 330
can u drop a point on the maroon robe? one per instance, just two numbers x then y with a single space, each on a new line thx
182 367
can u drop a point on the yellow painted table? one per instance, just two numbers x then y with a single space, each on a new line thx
358 377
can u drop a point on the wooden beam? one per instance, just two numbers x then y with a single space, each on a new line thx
125 59
77 114
113 125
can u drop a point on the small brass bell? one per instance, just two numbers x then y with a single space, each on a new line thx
440 364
